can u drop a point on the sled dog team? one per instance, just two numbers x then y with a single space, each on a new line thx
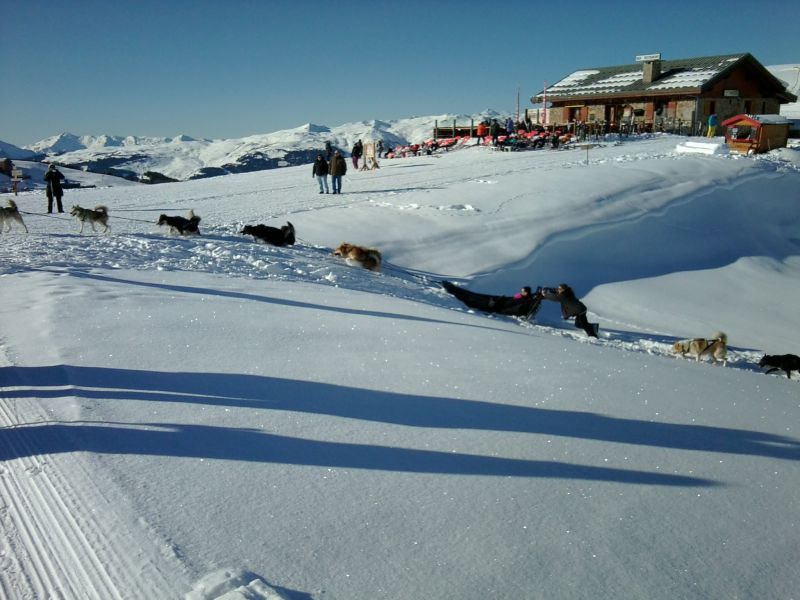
715 347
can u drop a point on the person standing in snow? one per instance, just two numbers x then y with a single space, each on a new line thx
570 307
494 131
328 150
320 171
53 178
481 132
712 125
358 150
337 169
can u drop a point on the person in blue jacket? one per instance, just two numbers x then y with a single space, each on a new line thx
712 125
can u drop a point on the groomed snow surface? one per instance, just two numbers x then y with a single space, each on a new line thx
213 418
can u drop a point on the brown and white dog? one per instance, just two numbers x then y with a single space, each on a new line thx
87 215
369 258
181 225
715 347
7 215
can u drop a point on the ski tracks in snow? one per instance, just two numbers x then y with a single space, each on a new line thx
64 533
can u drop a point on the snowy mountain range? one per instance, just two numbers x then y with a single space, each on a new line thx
183 157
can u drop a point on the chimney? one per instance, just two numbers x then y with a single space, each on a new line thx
651 71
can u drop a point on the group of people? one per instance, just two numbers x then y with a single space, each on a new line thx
571 307
336 168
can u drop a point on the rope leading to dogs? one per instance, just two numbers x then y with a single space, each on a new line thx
48 215
423 278
52 216
132 219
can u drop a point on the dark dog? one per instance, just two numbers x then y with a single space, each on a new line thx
781 362
181 225
283 236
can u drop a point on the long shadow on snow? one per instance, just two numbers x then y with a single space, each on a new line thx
270 393
225 443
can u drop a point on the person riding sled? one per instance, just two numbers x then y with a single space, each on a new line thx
524 304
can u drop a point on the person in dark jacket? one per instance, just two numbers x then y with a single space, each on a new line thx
570 307
320 171
328 150
337 169
494 131
53 178
358 150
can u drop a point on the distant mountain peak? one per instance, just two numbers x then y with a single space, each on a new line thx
183 157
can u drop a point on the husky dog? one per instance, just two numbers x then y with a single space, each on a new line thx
283 236
369 258
98 215
781 362
716 348
181 225
11 214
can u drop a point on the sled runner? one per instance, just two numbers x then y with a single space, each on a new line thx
525 308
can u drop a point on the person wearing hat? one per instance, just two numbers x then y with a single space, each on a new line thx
570 307
53 178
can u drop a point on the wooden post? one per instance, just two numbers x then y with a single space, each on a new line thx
16 177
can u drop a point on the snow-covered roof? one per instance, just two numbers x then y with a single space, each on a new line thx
675 75
771 119
755 120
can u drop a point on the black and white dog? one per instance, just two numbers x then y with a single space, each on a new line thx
180 224
283 236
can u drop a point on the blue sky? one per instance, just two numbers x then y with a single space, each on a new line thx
232 68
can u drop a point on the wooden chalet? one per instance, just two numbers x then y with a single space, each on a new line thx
661 95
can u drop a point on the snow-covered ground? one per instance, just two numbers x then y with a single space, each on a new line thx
212 418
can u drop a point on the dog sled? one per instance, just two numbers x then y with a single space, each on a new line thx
525 307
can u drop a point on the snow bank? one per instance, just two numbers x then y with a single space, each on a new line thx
702 148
